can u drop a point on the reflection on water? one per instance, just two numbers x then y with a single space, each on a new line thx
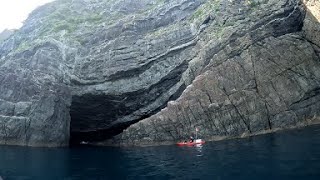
287 155
199 149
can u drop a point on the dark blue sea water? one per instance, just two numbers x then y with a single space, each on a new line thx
291 154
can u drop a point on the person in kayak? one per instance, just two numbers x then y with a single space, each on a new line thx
191 139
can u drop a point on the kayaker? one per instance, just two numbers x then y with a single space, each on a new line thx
191 139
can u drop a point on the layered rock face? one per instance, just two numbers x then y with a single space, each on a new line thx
86 70
262 74
91 68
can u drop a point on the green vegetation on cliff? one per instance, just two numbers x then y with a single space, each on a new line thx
205 9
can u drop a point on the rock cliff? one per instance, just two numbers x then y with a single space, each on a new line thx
87 70
261 75
5 34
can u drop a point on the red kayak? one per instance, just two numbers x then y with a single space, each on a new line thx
195 142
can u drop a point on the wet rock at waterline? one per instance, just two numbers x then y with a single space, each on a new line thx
84 71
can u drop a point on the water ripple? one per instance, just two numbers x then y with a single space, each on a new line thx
283 155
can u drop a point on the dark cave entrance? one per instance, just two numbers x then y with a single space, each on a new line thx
97 117
92 117
86 138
